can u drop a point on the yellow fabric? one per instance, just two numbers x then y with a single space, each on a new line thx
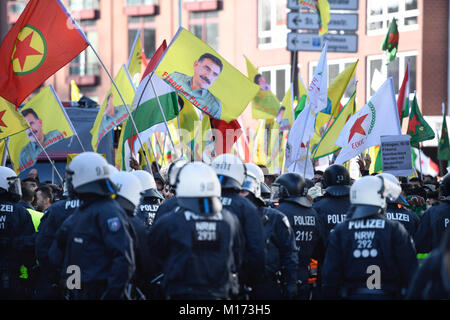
75 94
11 121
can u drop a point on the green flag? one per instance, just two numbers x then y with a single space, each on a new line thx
418 128
443 147
390 43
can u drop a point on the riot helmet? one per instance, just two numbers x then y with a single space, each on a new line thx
129 190
291 187
148 184
253 181
230 171
10 184
337 180
393 179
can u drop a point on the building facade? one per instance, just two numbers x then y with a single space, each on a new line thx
258 30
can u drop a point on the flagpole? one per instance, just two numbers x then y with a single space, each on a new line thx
48 157
120 95
179 130
6 153
163 115
420 161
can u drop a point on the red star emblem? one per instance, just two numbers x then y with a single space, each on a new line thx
413 123
23 50
357 128
2 124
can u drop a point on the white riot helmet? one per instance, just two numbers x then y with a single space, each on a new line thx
368 195
112 169
230 170
253 180
198 188
129 188
10 184
89 173
395 181
174 168
148 184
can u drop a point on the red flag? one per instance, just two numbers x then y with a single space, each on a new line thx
42 41
230 131
402 94
155 59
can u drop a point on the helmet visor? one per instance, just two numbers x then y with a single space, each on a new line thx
275 192
14 186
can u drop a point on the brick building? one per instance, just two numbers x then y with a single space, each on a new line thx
258 30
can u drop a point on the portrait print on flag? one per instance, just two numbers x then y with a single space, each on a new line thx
205 78
48 123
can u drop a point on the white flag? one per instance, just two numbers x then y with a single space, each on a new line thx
302 130
379 117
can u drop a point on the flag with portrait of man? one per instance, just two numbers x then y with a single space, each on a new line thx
205 78
48 124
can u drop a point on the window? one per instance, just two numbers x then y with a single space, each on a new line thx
335 67
272 29
278 78
141 2
78 5
16 7
381 12
86 64
205 26
147 26
378 72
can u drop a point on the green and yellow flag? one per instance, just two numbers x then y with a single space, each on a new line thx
112 111
265 104
444 147
418 128
390 43
205 78
48 123
11 121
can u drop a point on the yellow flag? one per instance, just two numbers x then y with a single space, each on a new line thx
205 78
323 9
11 121
74 91
2 149
135 59
288 108
265 104
118 155
49 123
260 144
338 86
112 111
327 146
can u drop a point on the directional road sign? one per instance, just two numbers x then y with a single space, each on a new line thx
310 21
313 42
334 4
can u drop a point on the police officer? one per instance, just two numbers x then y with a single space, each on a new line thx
434 221
128 195
17 236
47 274
369 256
332 207
231 173
95 239
290 190
281 252
397 211
194 244
171 203
151 198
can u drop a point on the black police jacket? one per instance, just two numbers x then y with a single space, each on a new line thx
17 237
252 228
331 210
96 239
146 210
308 233
361 248
52 219
432 226
168 205
281 251
195 252
408 219
431 281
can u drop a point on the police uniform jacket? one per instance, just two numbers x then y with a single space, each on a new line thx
146 210
168 205
357 245
432 226
331 210
407 218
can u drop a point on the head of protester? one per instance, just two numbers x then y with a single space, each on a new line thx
253 182
369 196
291 187
230 171
10 187
198 189
89 175
129 190
337 180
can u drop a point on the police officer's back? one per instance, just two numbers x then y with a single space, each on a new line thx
151 198
16 235
333 205
434 221
231 173
369 256
96 238
280 277
290 189
193 245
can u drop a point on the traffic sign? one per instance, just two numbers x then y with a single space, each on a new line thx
343 4
313 42
310 21
293 4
